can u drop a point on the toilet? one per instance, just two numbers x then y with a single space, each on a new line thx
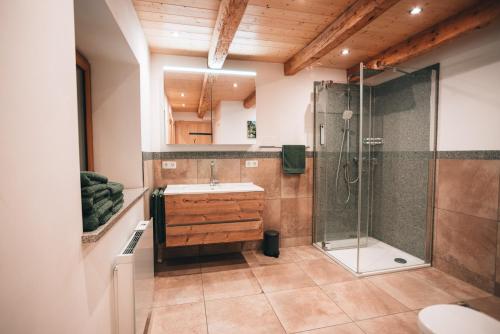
455 319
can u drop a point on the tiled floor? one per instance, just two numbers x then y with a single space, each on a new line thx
302 291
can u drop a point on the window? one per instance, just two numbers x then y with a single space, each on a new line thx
84 113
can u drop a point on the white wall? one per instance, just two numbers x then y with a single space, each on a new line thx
468 106
116 119
231 123
50 282
469 86
284 104
109 35
126 17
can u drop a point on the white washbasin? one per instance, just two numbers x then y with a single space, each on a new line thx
179 189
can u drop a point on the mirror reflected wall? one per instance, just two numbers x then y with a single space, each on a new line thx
210 106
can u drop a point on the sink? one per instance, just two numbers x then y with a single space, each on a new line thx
180 189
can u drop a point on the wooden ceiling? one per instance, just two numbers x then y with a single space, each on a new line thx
275 30
191 85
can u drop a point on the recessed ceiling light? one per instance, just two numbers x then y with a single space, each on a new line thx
182 94
345 52
235 85
416 10
175 34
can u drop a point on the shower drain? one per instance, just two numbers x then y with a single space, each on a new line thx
400 260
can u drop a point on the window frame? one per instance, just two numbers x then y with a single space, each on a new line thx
84 65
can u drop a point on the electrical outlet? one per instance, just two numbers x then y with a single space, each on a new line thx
251 163
169 164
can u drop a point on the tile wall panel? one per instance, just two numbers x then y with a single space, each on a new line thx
466 226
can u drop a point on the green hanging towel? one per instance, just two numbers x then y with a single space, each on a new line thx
294 159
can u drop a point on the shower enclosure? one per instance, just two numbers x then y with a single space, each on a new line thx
374 169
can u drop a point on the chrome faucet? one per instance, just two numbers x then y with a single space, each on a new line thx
213 181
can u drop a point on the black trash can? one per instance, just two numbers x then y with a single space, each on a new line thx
271 243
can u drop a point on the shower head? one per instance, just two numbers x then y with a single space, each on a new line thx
347 114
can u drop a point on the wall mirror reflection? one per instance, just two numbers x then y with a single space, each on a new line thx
210 106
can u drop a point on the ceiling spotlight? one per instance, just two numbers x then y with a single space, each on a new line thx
345 52
416 10
182 95
175 34
235 85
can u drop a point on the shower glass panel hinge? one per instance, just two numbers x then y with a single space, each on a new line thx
373 141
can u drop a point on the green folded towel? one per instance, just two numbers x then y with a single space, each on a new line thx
117 206
294 159
103 208
90 191
99 215
90 222
100 195
105 217
99 208
117 197
91 203
87 204
91 178
115 187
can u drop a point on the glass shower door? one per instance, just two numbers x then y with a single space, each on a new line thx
336 167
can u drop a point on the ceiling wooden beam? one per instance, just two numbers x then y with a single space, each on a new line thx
228 20
204 96
250 100
356 17
476 17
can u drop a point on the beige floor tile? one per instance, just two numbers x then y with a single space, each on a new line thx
450 284
402 323
281 277
350 328
179 319
413 292
287 255
308 252
232 283
241 315
223 262
324 271
178 290
251 258
360 299
178 267
488 305
306 309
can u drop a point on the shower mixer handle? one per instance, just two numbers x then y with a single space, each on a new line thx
373 141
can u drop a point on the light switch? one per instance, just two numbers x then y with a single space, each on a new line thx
169 164
251 163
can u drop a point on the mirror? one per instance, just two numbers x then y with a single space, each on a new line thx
210 106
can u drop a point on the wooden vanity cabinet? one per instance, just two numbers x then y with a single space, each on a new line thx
200 219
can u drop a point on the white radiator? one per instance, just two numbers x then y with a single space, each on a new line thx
134 281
